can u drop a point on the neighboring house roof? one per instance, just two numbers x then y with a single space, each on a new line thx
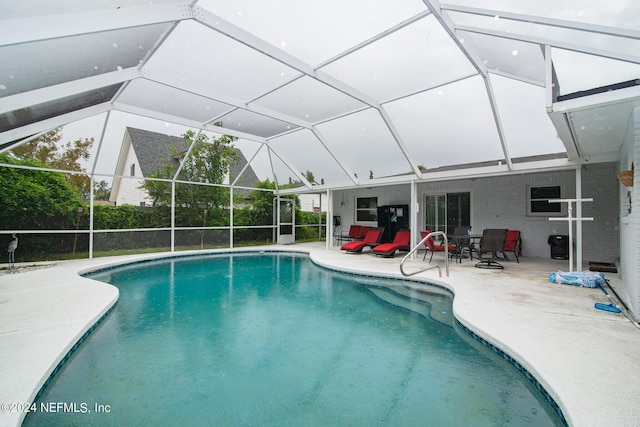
154 150
248 177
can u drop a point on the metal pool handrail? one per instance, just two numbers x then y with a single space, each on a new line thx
411 252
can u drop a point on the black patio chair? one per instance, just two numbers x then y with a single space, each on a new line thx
462 240
491 243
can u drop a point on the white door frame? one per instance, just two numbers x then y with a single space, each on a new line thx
285 224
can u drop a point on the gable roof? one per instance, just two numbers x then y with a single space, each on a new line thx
154 151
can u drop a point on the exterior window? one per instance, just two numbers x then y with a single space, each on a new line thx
366 209
133 169
538 201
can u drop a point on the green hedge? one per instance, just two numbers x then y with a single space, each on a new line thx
45 246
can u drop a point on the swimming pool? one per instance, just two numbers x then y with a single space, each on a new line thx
272 339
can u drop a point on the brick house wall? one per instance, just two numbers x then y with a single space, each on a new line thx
501 202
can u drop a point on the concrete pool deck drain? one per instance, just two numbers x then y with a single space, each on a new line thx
586 359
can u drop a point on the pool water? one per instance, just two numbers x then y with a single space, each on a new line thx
272 339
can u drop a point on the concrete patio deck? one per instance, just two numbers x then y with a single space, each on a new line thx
587 359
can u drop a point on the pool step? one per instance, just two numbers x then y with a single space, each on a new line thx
431 306
404 289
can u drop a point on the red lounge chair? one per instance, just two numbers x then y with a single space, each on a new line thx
512 244
356 232
372 237
401 241
430 246
364 229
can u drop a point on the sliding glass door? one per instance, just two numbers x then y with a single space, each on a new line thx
443 212
435 212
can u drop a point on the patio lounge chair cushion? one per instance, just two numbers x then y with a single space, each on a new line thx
401 241
431 246
372 237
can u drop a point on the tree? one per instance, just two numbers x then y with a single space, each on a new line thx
101 190
48 151
35 199
310 177
262 201
208 162
261 209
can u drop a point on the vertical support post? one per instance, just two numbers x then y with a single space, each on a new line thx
93 170
320 217
579 215
91 198
293 220
204 224
413 218
173 216
274 219
230 217
329 229
570 220
277 240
